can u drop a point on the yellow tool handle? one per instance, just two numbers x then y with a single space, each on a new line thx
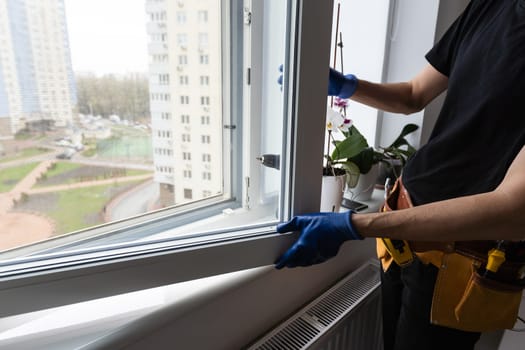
495 259
399 250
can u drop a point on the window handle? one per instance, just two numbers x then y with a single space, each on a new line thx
270 160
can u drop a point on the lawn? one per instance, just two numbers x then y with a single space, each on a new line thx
9 177
81 208
61 167
26 153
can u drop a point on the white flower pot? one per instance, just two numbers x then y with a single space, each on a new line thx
365 185
332 193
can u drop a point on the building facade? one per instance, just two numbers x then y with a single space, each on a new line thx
185 98
37 87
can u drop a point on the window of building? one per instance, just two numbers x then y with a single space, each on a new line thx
205 80
184 100
187 174
186 155
206 175
202 16
182 40
184 80
205 100
204 59
183 59
181 17
185 119
186 138
205 138
205 120
206 157
188 193
164 79
203 40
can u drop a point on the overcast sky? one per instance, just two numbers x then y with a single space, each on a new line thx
107 36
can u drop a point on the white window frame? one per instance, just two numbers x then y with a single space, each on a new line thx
56 284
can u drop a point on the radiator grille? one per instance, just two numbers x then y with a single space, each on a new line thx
323 323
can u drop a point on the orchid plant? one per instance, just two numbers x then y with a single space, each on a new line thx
351 151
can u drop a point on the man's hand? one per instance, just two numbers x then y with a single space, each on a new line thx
341 85
321 236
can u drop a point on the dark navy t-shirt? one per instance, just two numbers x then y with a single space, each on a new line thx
481 127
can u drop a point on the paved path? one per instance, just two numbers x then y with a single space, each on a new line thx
24 185
17 229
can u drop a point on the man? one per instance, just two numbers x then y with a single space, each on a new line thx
465 184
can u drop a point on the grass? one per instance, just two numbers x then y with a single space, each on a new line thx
9 177
134 172
62 167
26 153
81 208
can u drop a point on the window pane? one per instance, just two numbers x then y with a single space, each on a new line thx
103 102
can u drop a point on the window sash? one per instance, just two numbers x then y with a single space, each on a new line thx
155 265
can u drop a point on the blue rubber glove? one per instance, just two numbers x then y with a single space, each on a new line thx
341 85
321 236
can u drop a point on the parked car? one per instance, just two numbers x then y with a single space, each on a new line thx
67 154
63 143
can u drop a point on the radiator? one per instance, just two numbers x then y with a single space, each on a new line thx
347 316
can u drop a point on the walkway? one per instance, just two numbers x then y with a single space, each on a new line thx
24 185
18 229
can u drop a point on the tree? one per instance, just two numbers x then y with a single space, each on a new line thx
126 96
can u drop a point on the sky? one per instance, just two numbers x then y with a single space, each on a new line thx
107 36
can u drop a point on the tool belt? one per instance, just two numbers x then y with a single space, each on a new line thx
464 297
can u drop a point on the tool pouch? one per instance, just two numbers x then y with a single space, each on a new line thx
465 300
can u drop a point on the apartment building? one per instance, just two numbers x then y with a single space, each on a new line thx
185 88
37 87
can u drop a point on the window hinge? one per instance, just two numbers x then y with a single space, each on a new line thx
247 190
247 16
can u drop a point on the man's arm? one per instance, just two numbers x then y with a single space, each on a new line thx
499 214
407 97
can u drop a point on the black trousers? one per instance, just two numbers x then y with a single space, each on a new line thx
407 300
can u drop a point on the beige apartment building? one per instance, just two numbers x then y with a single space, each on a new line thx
185 98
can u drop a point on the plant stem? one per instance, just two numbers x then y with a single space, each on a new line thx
335 47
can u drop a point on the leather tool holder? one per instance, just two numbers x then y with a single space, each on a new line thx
464 298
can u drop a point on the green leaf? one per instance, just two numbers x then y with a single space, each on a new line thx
351 146
364 160
352 173
400 140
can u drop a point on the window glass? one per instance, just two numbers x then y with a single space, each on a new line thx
89 137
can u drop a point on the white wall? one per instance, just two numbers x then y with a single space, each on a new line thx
364 26
411 35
